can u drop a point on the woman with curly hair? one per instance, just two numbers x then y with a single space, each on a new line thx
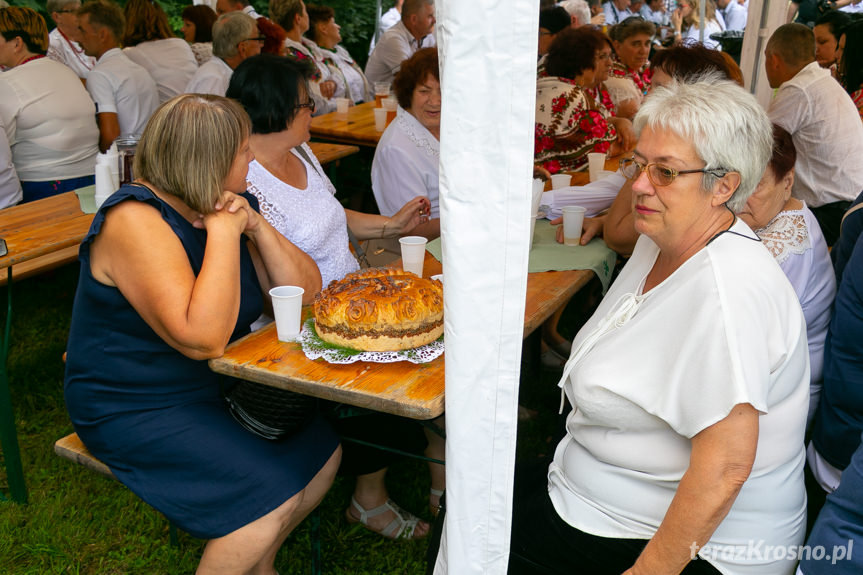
149 42
570 122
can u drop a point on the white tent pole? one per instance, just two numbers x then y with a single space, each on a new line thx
771 15
488 76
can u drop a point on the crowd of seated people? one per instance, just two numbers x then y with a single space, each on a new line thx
776 351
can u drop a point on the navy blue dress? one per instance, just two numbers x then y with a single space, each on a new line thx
157 417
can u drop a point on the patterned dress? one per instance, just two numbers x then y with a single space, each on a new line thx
857 97
569 124
640 77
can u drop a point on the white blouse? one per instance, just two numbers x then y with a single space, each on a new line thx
406 165
795 241
50 121
649 371
312 219
170 62
349 78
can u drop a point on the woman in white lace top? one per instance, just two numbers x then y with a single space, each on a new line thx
298 199
791 233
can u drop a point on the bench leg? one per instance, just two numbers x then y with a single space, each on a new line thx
8 435
315 539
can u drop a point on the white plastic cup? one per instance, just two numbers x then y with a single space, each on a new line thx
413 254
595 165
380 119
287 307
382 91
573 220
560 181
342 105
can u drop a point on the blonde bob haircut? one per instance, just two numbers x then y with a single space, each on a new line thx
189 147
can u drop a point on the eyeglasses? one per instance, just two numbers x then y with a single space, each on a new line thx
603 56
659 174
67 11
310 105
260 39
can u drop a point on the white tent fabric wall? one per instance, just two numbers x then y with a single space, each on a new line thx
764 17
488 62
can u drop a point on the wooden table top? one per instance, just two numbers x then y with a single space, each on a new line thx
401 388
357 127
326 152
42 227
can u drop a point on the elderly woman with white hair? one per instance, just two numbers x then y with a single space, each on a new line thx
689 385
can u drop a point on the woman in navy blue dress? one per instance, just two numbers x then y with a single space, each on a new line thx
174 268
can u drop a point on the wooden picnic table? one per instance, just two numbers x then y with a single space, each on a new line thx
401 388
326 152
356 127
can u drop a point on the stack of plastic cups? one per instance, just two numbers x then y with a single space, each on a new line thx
107 175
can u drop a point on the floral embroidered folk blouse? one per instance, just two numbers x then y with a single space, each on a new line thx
640 77
857 97
569 124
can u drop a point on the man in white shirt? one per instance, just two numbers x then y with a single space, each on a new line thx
823 122
733 14
235 38
63 44
124 93
244 6
413 32
616 11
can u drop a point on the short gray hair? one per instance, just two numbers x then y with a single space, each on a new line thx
229 30
579 9
3 4
726 125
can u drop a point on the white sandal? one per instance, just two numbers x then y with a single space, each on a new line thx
402 527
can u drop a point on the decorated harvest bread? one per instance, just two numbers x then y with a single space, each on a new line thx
380 309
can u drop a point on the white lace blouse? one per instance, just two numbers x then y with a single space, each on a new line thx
312 219
795 241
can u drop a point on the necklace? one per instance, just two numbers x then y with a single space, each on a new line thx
76 51
31 58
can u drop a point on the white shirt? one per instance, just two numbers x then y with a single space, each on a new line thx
395 46
660 17
795 241
348 76
250 10
212 77
170 63
312 219
827 132
62 49
50 121
406 165
389 19
693 33
650 371
118 85
734 16
613 15
308 50
10 187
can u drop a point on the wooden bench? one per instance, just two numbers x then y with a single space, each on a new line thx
72 448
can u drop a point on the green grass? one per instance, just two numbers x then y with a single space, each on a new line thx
79 522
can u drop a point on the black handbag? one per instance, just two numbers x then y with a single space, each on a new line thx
270 412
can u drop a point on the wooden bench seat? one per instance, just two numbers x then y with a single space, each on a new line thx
72 448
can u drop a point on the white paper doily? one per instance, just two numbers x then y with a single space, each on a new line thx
314 347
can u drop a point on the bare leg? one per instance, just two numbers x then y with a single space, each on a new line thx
252 548
371 492
437 450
